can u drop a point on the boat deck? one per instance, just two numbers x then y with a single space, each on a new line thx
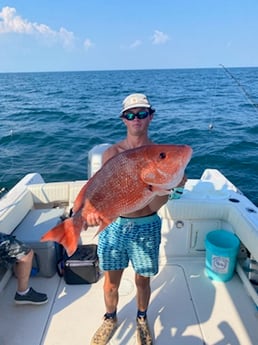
186 308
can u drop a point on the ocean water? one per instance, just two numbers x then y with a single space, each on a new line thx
49 121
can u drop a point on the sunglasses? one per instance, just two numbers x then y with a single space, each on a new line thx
140 115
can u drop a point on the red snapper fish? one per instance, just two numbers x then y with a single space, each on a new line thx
126 183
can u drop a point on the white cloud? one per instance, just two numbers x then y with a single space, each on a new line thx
10 22
159 37
135 44
87 43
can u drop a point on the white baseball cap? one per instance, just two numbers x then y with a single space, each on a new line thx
135 100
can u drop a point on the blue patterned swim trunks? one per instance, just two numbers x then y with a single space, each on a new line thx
131 239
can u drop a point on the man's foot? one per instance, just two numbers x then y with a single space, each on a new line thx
31 297
104 332
143 332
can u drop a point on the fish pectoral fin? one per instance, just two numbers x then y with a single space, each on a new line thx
66 233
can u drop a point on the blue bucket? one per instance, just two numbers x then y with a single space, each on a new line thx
221 253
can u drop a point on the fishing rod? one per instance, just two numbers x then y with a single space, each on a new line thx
249 98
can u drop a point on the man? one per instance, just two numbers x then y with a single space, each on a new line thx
15 252
118 245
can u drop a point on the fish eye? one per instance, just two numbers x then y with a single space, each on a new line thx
162 155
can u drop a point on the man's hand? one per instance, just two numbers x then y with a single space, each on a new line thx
183 181
177 192
93 219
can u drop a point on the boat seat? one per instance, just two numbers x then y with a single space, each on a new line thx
36 223
28 217
13 213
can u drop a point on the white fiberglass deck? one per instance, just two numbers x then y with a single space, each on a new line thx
186 308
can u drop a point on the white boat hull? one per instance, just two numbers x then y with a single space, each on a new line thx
186 306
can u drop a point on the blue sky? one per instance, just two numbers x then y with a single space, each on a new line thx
65 35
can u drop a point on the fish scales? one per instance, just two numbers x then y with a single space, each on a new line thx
122 185
125 183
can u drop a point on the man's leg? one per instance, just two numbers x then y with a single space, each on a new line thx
143 297
24 294
143 292
22 271
111 297
111 285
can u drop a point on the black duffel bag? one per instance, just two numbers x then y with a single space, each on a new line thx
82 267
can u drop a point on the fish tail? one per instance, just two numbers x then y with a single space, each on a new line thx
66 233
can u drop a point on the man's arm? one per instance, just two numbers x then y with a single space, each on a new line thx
109 153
